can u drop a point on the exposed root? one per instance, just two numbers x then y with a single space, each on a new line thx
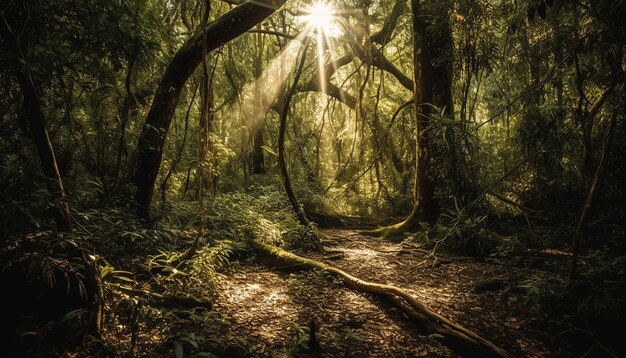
451 334
396 232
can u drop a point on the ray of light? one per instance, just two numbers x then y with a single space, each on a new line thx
258 96
320 61
322 19
332 55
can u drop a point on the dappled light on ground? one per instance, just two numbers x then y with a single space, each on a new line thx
350 323
273 309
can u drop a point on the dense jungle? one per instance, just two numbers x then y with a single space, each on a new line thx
312 178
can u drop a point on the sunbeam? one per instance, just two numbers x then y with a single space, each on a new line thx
260 95
321 19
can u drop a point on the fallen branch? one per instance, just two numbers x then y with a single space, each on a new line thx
456 337
164 300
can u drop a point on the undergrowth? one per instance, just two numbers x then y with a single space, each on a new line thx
131 257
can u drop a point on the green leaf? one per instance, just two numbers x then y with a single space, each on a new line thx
191 341
178 349
106 271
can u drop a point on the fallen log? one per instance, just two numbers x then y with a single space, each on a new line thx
456 337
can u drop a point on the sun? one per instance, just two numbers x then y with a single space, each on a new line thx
320 16
321 23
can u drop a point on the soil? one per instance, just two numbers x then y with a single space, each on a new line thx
271 312
274 311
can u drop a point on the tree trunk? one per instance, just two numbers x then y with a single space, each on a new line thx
258 127
282 165
597 179
456 337
181 149
124 114
432 71
37 123
432 87
185 61
46 152
258 159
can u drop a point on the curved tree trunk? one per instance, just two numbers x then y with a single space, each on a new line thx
185 61
282 165
456 337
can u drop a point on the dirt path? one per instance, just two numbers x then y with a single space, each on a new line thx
273 310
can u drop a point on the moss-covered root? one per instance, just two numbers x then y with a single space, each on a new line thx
396 232
318 239
456 337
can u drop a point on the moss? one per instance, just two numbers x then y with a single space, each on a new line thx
400 231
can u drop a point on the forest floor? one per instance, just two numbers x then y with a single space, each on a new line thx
274 310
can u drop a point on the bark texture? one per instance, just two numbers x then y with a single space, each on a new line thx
432 69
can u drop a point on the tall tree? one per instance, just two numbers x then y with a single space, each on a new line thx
282 164
38 130
432 60
257 129
184 63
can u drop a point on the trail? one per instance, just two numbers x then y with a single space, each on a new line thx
272 310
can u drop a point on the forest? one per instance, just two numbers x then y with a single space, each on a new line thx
312 178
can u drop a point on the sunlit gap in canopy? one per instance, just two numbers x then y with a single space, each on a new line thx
257 97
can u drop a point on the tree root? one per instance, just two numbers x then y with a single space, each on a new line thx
397 232
456 337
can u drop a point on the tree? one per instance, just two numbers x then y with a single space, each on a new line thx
282 165
432 70
257 129
184 63
38 129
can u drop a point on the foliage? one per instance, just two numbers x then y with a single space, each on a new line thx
46 256
601 288
459 232
535 85
199 337
260 213
455 150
